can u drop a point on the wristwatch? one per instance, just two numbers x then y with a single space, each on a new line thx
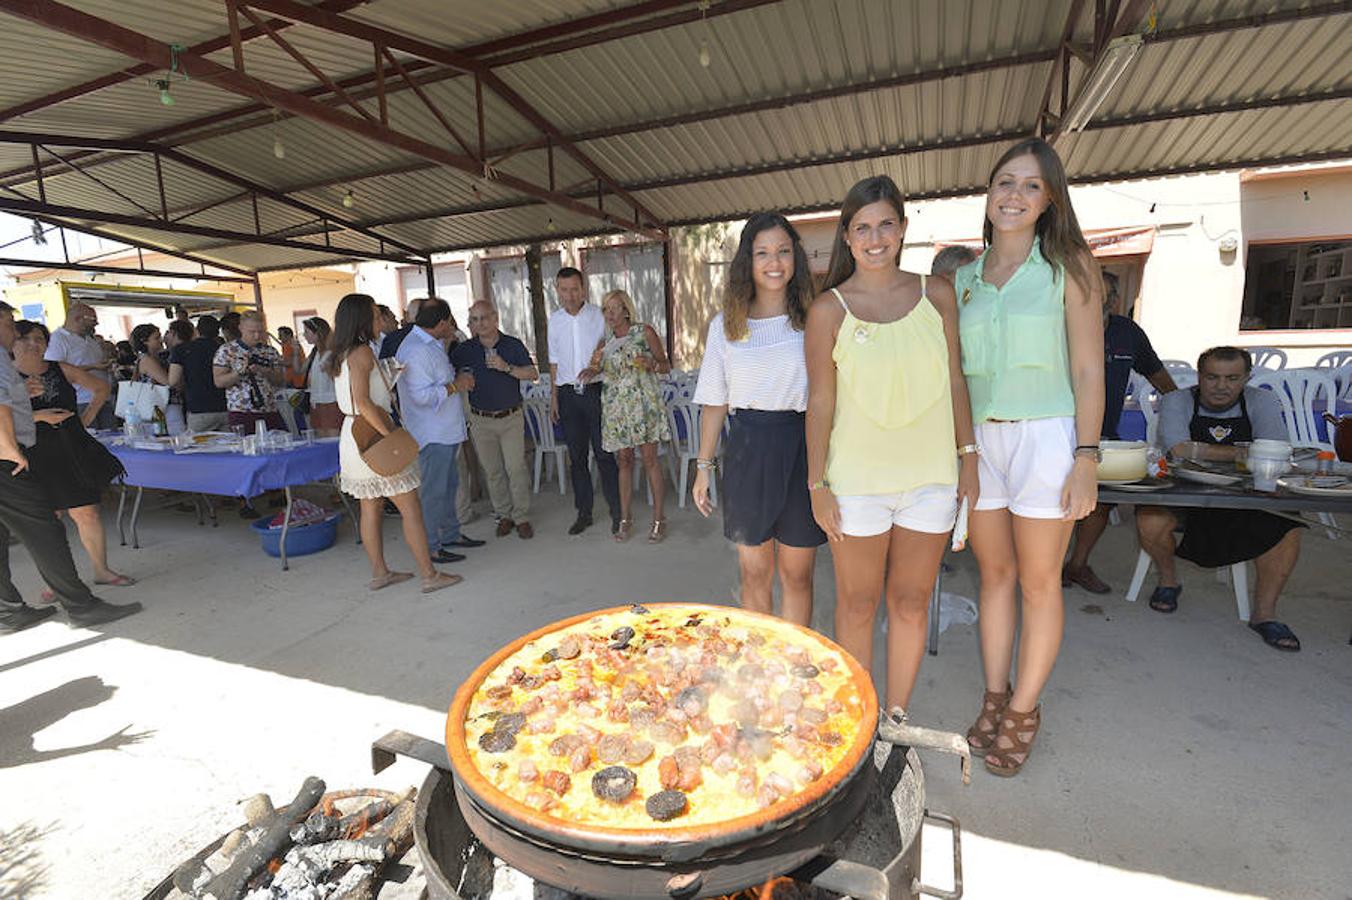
1090 450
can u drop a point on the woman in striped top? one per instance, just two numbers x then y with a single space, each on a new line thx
754 377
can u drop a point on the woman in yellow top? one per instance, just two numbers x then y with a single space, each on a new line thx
887 420
1032 352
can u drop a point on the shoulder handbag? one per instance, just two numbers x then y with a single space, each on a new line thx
387 454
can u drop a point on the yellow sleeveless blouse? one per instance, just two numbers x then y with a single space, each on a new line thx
893 426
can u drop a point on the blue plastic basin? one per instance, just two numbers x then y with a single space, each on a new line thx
300 539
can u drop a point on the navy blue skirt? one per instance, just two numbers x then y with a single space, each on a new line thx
765 480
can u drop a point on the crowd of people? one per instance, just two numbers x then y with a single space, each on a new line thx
874 412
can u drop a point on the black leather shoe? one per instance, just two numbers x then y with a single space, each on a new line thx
446 556
464 541
100 613
580 525
12 620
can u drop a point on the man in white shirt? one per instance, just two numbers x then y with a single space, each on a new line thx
74 346
433 414
575 330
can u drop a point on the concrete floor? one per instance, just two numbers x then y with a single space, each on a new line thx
1180 756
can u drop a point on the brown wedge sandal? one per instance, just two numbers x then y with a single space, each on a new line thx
1014 742
981 736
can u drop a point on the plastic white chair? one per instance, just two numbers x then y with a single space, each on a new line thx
1336 359
1299 392
542 433
1181 371
686 450
1239 575
1140 390
1268 358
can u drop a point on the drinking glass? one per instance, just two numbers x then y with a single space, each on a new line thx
308 437
1266 472
1242 456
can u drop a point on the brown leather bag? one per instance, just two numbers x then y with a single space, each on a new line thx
387 454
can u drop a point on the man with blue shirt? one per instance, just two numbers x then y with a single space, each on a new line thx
1126 349
499 363
432 413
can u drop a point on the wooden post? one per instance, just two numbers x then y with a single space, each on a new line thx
540 315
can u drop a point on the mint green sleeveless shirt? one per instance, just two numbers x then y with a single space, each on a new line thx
1014 351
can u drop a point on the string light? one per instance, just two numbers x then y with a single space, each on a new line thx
349 200
166 98
550 226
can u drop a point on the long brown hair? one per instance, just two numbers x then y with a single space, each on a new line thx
1063 244
879 188
741 290
353 326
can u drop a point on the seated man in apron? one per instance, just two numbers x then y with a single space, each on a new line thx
1205 423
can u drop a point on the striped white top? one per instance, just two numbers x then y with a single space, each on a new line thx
765 370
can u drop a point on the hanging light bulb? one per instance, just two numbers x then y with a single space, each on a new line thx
166 98
704 57
550 226
278 148
349 200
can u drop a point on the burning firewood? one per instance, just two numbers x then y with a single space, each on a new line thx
276 837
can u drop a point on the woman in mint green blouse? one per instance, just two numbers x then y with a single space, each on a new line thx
1032 355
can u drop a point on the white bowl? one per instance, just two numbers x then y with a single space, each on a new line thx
1122 461
1269 449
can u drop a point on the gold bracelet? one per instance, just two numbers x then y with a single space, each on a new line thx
819 485
969 450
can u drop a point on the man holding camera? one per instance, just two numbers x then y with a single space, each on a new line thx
249 371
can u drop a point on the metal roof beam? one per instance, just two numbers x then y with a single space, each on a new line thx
483 74
46 141
35 208
138 242
112 78
525 45
102 32
855 156
119 270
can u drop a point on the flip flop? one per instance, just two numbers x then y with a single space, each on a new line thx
1274 632
119 581
388 579
439 581
1165 599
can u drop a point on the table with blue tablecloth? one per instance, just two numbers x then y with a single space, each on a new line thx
225 475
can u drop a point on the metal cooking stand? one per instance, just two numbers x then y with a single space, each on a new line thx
897 879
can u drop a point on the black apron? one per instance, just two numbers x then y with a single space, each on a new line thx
1223 537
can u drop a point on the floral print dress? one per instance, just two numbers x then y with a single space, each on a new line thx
632 412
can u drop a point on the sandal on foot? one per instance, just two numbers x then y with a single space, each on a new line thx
1277 635
117 581
439 581
622 530
1165 599
1014 742
659 531
388 579
981 736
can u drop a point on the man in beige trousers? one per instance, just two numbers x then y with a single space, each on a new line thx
497 428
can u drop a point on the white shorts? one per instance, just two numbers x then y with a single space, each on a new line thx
930 508
1024 465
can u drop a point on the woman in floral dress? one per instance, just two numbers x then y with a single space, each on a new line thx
630 357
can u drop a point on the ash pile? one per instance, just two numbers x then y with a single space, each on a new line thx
321 846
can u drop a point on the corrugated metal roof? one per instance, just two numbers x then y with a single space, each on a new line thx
642 103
